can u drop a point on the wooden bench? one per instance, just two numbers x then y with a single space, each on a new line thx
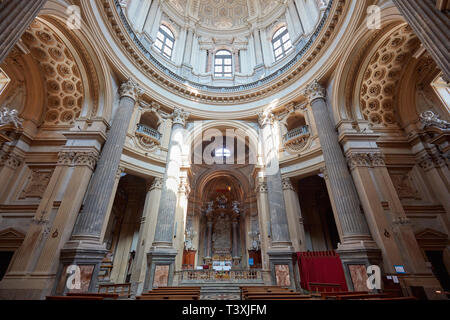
169 297
363 296
324 287
245 291
122 289
395 299
73 298
278 296
114 296
326 295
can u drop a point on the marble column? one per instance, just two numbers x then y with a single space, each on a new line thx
278 218
353 222
280 251
15 17
208 246
356 244
431 26
146 234
294 213
263 219
188 47
257 46
84 247
91 218
235 231
162 253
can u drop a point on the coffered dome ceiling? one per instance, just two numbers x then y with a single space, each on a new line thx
224 14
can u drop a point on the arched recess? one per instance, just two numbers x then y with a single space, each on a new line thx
349 70
95 72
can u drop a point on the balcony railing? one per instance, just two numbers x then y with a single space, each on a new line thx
188 276
297 133
148 132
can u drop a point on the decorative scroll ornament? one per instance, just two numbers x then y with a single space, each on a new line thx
179 116
287 184
73 158
265 118
10 116
315 91
157 184
130 89
430 119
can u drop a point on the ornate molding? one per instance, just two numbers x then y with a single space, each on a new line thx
184 186
265 118
261 187
324 173
130 89
78 158
10 160
179 116
365 159
315 91
157 184
430 119
287 184
428 162
307 52
9 115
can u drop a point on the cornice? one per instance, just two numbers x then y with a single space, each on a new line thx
239 94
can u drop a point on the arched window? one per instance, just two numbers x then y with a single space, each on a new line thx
281 43
165 41
4 80
223 64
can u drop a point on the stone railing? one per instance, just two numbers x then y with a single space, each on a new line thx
297 139
191 276
142 129
297 133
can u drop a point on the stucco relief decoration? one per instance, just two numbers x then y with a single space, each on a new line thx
223 14
62 75
130 89
315 91
380 79
10 116
405 186
430 119
36 184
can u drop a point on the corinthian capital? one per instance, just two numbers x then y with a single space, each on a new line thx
287 184
180 116
130 89
265 117
315 91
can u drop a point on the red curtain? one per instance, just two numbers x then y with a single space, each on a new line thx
324 267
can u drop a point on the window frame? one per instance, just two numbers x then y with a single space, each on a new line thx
222 64
166 37
278 36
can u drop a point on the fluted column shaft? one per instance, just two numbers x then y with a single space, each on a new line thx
90 220
168 204
431 26
278 217
352 220
15 17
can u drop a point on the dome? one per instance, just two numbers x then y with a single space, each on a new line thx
220 45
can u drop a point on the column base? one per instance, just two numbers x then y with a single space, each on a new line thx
356 257
282 268
160 268
26 286
85 255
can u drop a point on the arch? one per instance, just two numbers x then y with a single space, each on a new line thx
94 68
344 105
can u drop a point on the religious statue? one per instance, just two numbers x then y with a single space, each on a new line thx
221 201
10 116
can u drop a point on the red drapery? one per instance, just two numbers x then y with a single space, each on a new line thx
324 267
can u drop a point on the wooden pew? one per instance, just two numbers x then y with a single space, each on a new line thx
122 289
326 295
263 289
169 297
278 296
108 296
324 287
362 296
73 298
395 299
